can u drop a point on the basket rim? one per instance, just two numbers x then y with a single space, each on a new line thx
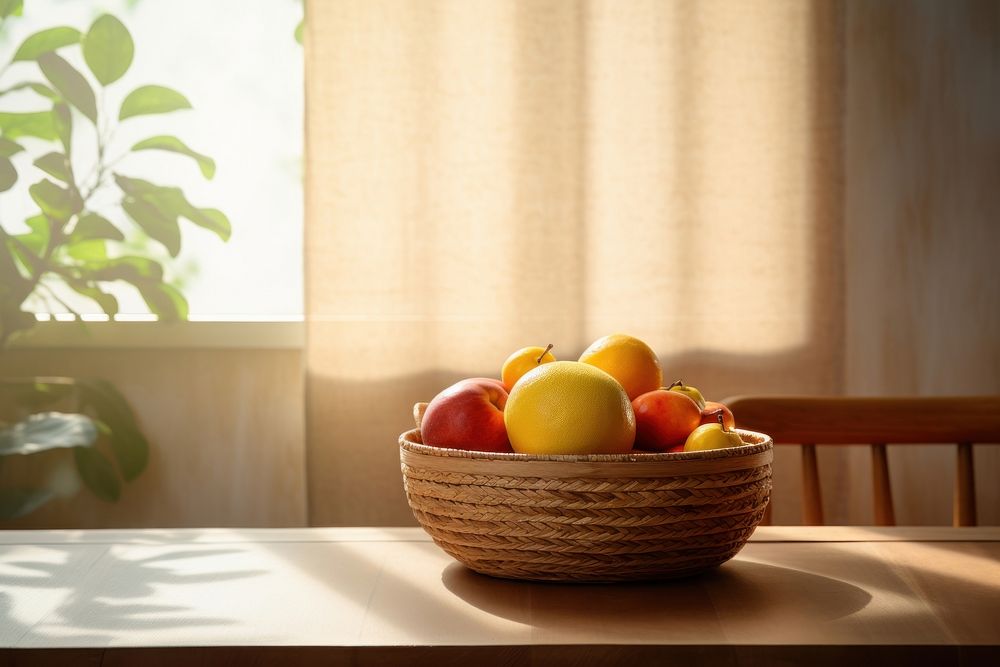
756 443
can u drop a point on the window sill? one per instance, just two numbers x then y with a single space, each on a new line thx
146 334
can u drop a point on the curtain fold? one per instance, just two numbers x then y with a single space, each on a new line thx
484 175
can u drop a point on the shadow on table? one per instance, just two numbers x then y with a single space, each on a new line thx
740 589
84 613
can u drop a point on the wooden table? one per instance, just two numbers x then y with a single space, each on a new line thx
363 596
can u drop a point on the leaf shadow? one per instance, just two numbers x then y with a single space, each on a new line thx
87 614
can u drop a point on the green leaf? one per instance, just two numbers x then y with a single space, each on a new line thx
32 245
131 269
97 473
70 84
135 187
100 400
36 393
13 319
8 175
9 7
15 503
88 250
94 226
211 219
172 203
62 123
38 124
25 258
46 41
152 99
9 148
39 88
175 145
56 165
107 302
47 430
14 288
128 444
160 227
56 202
22 259
164 301
108 49
37 240
299 30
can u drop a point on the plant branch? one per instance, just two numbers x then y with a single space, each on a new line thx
58 300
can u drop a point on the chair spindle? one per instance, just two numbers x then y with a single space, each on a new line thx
965 487
882 491
812 501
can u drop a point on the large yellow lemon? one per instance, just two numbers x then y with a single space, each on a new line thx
565 407
628 360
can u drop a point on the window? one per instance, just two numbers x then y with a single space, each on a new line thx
240 67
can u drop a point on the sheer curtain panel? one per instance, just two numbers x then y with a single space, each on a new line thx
488 174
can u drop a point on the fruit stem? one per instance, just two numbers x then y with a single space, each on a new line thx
721 419
676 383
539 359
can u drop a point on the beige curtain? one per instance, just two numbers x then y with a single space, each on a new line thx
484 175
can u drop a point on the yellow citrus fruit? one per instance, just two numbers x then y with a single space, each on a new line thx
523 361
628 360
566 407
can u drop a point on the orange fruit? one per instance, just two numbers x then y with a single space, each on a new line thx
523 361
566 407
628 360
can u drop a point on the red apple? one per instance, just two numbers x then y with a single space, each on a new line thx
664 419
467 415
708 414
493 380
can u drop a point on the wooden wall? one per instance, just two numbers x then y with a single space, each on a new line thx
922 231
225 427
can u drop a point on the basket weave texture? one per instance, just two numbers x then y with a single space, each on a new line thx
588 518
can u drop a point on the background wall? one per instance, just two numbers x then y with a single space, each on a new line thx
225 428
918 215
922 230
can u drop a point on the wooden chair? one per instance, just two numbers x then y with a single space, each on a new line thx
875 422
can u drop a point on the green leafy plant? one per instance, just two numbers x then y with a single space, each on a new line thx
72 245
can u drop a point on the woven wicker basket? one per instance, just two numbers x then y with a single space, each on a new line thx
588 518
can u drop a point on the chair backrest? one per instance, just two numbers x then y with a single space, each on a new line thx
875 422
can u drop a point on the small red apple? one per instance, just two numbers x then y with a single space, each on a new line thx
664 419
708 414
467 415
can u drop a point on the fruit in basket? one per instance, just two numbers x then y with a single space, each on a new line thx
467 415
487 380
712 436
688 391
712 408
664 419
568 407
522 361
628 360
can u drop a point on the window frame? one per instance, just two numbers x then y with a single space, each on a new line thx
236 334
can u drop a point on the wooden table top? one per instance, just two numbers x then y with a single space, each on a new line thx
384 596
